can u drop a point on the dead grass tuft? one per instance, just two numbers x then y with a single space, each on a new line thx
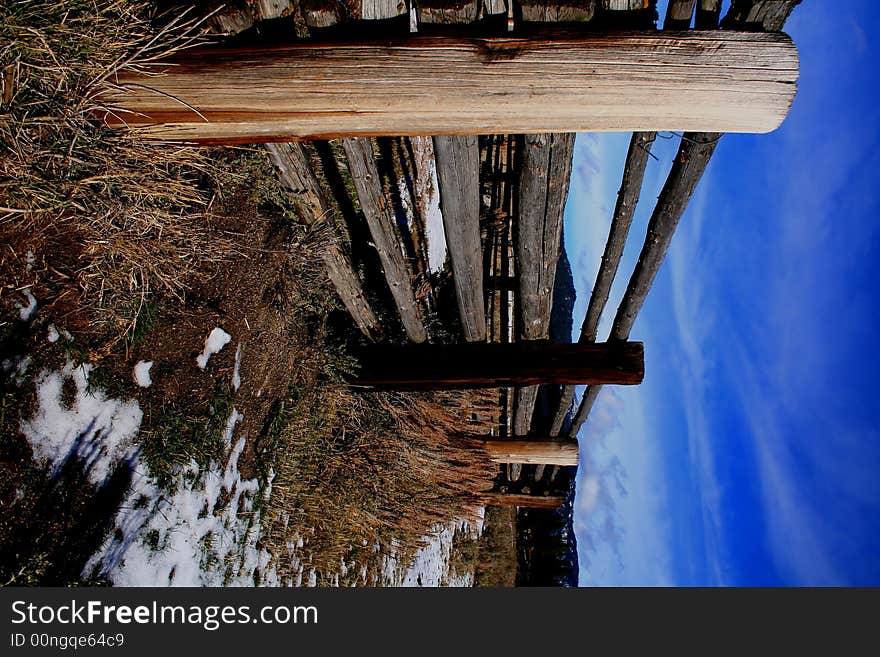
107 217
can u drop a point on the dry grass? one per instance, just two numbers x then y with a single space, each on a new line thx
366 469
108 217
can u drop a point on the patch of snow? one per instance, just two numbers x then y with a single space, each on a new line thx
216 340
203 533
97 430
142 373
52 334
236 376
25 312
431 564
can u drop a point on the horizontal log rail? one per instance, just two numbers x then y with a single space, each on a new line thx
416 85
492 365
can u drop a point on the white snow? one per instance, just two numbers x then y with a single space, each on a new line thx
142 373
52 334
236 371
216 340
204 533
25 312
431 564
98 430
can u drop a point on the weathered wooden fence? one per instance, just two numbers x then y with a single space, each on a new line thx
502 197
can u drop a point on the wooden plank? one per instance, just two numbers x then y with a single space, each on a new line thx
380 220
624 210
719 80
458 171
296 173
708 15
562 11
231 19
492 365
382 9
688 167
523 501
269 9
758 15
322 13
679 14
546 452
447 11
545 169
427 199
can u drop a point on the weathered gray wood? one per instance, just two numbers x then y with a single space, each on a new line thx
560 12
382 9
447 11
321 13
719 80
231 19
545 170
627 199
759 15
269 9
296 173
546 452
687 169
380 220
458 170
679 14
584 408
494 7
523 501
708 15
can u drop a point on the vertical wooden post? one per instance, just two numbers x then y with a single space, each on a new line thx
624 210
545 169
296 173
458 170
380 221
679 14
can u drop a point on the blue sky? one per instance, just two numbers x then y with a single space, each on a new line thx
751 454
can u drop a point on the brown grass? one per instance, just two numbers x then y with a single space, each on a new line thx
108 218
366 469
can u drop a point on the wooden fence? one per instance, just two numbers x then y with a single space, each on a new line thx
502 196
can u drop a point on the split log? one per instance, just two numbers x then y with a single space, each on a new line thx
380 220
720 80
322 13
269 9
458 170
523 501
759 15
231 19
708 15
493 365
447 11
296 173
545 170
563 11
679 14
427 200
546 452
382 9
621 220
